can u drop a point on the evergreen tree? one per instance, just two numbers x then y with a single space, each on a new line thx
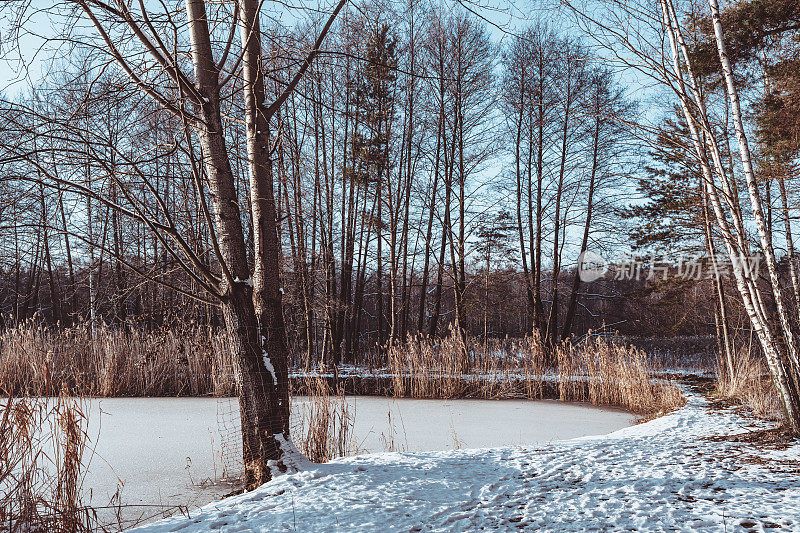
375 100
670 217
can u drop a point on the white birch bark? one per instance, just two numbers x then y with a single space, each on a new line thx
734 238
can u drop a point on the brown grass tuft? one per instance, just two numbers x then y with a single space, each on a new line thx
750 385
326 428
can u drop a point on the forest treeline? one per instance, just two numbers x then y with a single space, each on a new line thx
424 175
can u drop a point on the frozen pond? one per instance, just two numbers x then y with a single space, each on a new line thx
168 451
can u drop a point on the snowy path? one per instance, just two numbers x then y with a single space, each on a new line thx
661 475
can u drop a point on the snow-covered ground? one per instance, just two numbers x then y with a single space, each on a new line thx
661 475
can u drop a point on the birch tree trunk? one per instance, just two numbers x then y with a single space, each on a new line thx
752 186
787 223
734 238
792 399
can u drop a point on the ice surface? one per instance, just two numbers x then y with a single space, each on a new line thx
430 425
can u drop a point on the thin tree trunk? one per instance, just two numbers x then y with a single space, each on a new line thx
552 322
793 413
734 239
790 245
576 281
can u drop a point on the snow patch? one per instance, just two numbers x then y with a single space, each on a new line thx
248 281
268 364
293 458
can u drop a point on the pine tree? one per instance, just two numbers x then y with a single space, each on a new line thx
494 244
375 99
670 217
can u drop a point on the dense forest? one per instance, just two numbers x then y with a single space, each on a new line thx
425 174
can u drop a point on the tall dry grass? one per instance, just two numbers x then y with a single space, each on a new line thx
615 375
42 445
109 362
596 371
326 424
424 367
196 361
750 384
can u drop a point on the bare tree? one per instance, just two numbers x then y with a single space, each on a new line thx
149 48
670 62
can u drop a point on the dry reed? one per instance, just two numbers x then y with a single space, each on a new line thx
325 430
110 362
42 444
750 385
196 361
596 371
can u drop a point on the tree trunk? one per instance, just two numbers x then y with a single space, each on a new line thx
790 245
576 281
793 410
734 238
552 322
268 389
252 318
